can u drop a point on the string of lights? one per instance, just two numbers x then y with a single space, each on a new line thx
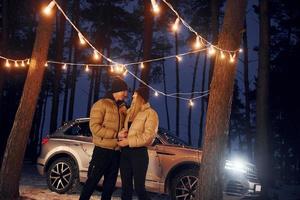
199 39
122 68
125 71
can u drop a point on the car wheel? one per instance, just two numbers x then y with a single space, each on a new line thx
184 185
62 175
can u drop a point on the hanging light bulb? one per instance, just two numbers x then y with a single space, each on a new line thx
28 61
64 66
109 60
96 55
81 39
112 68
46 64
7 64
179 58
176 25
156 93
48 9
211 51
222 55
191 103
22 63
241 50
232 58
142 66
125 72
155 6
16 64
120 68
197 43
87 68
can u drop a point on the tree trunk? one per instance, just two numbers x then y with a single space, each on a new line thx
148 26
214 29
262 106
246 86
16 144
41 130
165 91
97 84
90 93
67 81
136 67
201 132
76 9
192 95
60 32
219 105
177 86
3 47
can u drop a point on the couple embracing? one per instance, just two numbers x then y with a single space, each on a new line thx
121 138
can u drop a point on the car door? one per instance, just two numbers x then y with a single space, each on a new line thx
86 145
80 143
154 172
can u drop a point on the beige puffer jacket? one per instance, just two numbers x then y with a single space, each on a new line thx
106 120
144 127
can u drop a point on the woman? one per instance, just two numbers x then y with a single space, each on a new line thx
140 128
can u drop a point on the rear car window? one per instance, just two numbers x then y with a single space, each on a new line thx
79 129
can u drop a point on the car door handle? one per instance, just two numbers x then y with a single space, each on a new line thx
164 153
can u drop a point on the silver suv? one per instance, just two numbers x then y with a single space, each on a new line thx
173 166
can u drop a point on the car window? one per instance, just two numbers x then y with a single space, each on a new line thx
85 129
156 142
171 139
79 129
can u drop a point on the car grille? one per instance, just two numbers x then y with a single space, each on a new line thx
234 188
251 173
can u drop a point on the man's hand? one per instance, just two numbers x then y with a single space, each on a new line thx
122 134
123 143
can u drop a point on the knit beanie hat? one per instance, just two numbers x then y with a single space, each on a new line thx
118 85
143 92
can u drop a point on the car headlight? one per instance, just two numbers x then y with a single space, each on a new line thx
236 165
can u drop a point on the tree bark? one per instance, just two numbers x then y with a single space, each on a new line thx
97 84
60 33
214 29
192 95
76 9
148 26
201 132
219 105
16 144
177 86
3 47
91 89
165 91
262 100
67 81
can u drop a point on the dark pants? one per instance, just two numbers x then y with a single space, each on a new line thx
133 167
104 162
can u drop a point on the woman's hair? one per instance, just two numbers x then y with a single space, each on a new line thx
135 106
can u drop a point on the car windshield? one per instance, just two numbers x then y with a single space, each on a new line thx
171 139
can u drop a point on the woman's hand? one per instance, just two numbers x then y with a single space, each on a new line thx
123 143
122 134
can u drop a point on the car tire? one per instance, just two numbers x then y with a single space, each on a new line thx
184 185
62 176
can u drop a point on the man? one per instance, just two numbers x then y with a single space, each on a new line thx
106 120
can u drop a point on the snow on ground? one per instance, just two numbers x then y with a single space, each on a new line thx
34 187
